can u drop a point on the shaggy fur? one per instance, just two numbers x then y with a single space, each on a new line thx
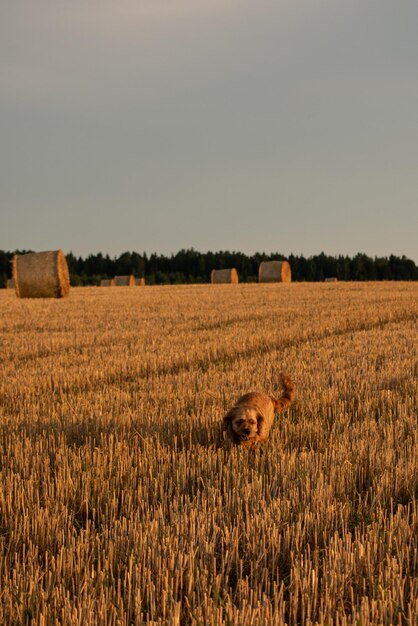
249 421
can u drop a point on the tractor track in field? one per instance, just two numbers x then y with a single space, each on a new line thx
145 373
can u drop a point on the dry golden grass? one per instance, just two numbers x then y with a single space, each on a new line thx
118 505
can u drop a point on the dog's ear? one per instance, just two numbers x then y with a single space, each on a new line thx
227 426
261 426
228 419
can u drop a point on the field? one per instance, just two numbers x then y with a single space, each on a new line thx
120 503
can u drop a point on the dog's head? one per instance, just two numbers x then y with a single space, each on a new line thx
242 423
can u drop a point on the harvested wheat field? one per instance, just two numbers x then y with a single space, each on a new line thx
119 504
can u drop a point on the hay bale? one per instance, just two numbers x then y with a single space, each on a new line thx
41 275
107 282
274 272
10 284
125 281
331 279
140 282
218 277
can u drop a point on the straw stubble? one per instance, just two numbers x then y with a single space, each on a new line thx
120 504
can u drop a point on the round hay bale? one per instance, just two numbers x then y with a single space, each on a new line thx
10 284
41 275
274 272
107 282
125 281
218 277
331 279
140 282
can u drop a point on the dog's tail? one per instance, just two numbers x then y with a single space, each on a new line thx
288 396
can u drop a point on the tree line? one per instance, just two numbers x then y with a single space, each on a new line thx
191 266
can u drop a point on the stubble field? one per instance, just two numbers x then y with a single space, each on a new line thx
119 502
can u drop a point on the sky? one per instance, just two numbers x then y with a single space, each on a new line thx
155 125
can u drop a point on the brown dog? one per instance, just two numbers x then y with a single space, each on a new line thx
250 420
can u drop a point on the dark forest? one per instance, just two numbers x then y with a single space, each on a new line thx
191 266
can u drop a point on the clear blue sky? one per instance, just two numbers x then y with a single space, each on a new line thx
155 125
